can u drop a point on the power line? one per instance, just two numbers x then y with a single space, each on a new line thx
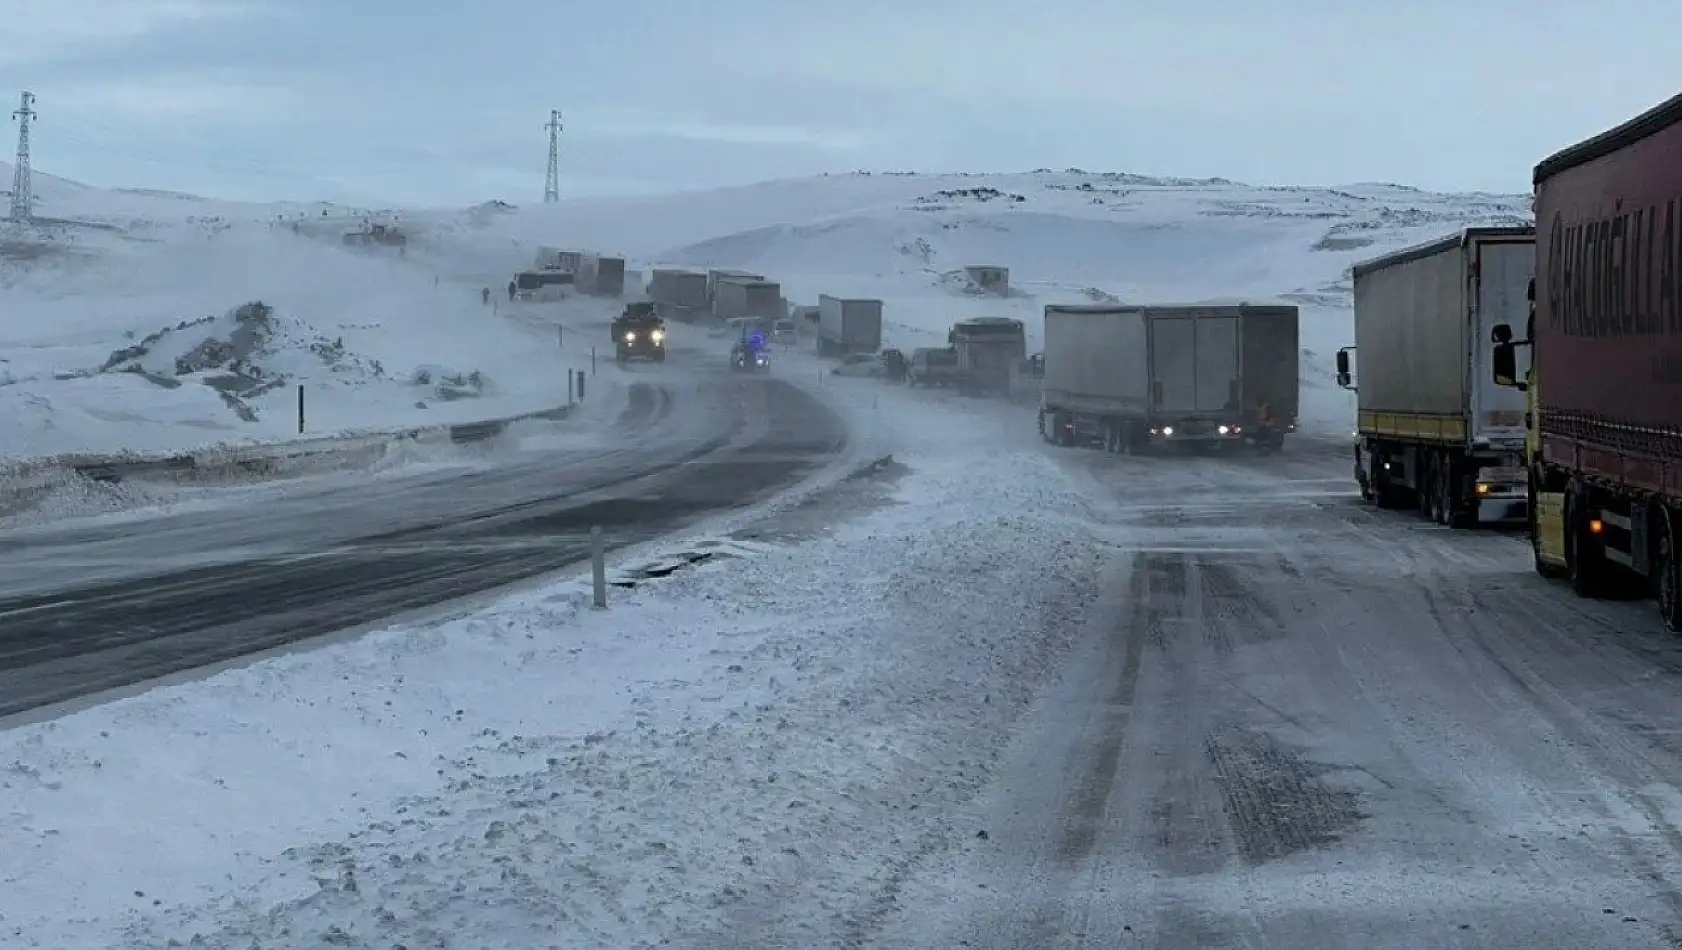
552 183
23 203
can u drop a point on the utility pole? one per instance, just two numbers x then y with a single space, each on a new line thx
23 198
552 183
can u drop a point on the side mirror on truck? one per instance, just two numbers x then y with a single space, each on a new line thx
1344 377
1504 358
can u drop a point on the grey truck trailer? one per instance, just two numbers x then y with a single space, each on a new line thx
1131 377
1434 430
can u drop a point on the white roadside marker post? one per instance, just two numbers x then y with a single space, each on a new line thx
598 566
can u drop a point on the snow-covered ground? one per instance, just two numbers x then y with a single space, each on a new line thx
382 341
754 751
541 774
166 324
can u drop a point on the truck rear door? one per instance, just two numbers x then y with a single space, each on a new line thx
1217 362
1194 362
1173 346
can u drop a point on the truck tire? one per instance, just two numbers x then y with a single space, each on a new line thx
1442 489
1384 495
1667 570
1060 430
1585 567
1426 497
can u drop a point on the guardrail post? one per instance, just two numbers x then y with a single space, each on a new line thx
561 336
592 361
570 375
300 408
580 385
598 566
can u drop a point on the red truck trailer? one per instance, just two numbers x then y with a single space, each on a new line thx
1604 426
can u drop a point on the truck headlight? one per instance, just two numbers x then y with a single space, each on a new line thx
1223 430
631 337
1167 430
657 335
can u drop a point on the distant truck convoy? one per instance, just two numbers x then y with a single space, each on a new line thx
1434 431
848 325
1604 385
1130 377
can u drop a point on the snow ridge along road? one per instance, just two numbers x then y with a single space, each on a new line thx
308 570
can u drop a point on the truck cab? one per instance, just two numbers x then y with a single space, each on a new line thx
1546 508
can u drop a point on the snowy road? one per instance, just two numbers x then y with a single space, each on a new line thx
1297 722
86 608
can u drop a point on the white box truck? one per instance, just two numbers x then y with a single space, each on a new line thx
601 276
678 294
1129 377
848 325
717 274
1434 429
740 297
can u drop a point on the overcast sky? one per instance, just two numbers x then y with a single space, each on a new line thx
417 102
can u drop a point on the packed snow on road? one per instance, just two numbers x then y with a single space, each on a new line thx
964 688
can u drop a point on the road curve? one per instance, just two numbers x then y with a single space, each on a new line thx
90 608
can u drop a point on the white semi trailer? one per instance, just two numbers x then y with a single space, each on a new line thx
1129 377
1434 429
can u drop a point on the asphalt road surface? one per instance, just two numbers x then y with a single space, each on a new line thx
96 606
1302 723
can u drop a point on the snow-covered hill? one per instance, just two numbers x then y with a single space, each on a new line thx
369 335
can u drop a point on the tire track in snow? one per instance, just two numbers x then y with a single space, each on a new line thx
1322 757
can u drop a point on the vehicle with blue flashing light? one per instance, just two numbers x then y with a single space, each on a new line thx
751 353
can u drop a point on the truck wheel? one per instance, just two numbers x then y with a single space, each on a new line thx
1455 515
1442 491
1060 430
1383 494
1425 496
1668 572
1585 566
